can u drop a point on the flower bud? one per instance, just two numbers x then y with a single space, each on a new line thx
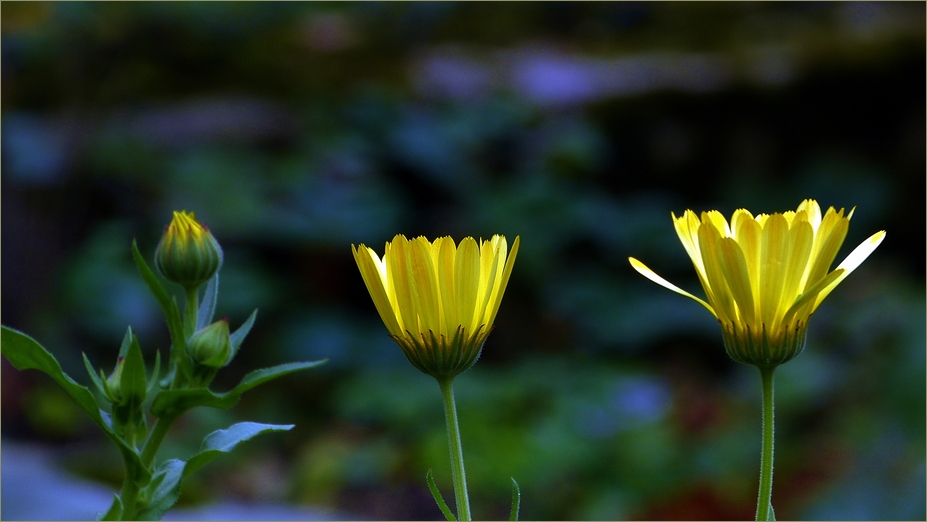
188 254
211 346
112 385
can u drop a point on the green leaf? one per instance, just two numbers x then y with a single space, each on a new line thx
771 514
224 441
258 377
134 382
516 500
436 493
114 511
93 375
208 307
163 490
168 304
126 342
25 353
175 402
238 336
153 380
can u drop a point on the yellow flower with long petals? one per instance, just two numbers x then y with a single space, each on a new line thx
438 300
764 276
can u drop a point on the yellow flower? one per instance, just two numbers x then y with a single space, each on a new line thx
438 300
188 254
764 276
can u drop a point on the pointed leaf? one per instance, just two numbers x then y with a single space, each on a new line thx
516 500
163 490
175 402
93 375
114 511
258 377
153 380
224 441
134 382
436 493
238 336
168 304
126 341
25 353
208 307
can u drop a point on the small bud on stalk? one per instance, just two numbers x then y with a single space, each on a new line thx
209 350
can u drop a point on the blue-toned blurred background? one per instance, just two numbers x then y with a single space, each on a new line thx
294 130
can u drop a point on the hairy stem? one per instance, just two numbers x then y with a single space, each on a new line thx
764 497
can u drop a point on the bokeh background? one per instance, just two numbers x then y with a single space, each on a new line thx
294 130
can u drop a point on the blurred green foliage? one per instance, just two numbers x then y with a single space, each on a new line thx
296 129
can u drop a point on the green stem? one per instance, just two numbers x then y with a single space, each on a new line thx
128 495
453 441
190 310
764 497
158 432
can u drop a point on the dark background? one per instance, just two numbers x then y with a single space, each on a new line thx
294 130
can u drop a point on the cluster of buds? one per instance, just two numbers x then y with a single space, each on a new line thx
189 255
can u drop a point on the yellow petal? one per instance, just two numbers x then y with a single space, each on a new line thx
425 285
801 239
467 280
488 269
720 297
643 270
856 257
368 263
827 242
774 249
503 283
446 257
399 273
749 234
737 276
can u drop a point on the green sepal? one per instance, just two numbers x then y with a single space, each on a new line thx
25 353
126 342
174 402
114 511
516 500
168 304
238 336
207 308
164 489
93 375
771 514
134 381
436 494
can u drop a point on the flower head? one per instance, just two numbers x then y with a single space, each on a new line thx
764 276
438 300
188 254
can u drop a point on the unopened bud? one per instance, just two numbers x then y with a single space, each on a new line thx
188 254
